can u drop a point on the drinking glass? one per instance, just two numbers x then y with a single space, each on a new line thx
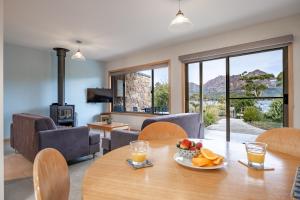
256 152
139 150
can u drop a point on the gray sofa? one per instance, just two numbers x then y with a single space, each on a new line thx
190 122
32 133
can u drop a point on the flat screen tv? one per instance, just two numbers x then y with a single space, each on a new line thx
99 95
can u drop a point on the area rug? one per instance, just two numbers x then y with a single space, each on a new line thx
16 167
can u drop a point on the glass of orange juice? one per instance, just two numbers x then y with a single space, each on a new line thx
256 152
139 150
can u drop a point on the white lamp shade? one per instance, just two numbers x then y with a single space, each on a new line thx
180 23
78 56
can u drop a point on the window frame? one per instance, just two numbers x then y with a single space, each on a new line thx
150 66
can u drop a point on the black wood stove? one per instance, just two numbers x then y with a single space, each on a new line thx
62 113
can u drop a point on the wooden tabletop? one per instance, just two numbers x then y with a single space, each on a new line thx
107 127
110 177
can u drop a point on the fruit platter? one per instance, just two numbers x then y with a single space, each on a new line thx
194 155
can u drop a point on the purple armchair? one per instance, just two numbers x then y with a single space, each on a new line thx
32 133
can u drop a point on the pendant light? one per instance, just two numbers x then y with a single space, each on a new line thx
78 55
180 23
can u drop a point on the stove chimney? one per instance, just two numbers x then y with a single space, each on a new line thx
61 54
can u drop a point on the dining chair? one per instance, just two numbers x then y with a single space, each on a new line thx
50 176
284 140
161 131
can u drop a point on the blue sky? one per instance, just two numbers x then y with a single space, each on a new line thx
160 74
270 62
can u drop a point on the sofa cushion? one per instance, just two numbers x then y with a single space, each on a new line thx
41 122
190 122
94 138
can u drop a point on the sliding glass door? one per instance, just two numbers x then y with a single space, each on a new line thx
239 96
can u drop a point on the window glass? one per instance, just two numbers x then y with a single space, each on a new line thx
138 86
257 75
161 91
194 87
144 91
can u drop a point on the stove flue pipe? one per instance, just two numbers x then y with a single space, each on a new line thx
61 55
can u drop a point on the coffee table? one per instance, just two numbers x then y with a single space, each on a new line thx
103 126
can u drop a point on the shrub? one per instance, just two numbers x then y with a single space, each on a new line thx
276 110
210 115
252 113
222 109
240 104
209 119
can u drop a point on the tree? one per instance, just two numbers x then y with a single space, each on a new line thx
161 95
195 105
276 110
240 104
254 85
221 99
195 97
279 79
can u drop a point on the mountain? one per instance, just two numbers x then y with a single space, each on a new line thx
193 88
217 87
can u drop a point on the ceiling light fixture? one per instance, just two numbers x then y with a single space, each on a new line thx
78 55
180 23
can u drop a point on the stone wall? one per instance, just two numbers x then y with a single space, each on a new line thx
137 91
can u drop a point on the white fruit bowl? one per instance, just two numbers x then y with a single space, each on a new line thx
187 153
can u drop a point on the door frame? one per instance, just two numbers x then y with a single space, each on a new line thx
288 98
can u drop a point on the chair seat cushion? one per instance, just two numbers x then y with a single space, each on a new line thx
94 138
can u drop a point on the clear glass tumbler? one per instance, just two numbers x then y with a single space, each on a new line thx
256 152
139 150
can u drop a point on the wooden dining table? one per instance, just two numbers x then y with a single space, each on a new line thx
110 177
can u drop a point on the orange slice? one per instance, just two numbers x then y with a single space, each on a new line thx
218 160
200 161
210 164
208 154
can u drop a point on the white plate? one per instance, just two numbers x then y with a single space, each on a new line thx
188 163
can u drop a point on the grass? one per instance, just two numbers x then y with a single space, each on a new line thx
266 125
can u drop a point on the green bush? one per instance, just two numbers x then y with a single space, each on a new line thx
222 110
240 104
210 116
252 113
209 119
276 110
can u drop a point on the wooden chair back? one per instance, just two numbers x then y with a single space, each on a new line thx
50 176
162 131
284 140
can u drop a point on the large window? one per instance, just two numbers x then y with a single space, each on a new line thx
141 91
239 96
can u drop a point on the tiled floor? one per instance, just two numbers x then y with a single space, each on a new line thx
23 189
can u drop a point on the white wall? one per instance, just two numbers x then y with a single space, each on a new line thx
290 25
30 83
135 122
1 103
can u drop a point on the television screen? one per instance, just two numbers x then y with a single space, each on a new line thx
99 95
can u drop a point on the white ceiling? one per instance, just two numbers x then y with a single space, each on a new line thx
112 28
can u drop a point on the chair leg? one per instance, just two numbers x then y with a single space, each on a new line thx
94 155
